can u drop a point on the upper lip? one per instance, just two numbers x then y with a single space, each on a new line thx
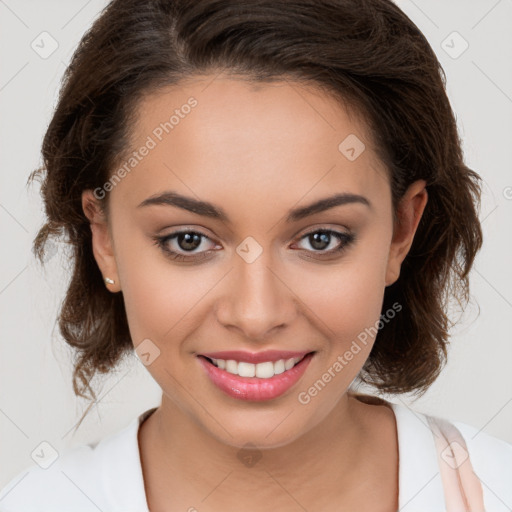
255 357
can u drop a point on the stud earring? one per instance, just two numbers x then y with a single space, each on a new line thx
109 281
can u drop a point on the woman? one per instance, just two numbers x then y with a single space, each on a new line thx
268 202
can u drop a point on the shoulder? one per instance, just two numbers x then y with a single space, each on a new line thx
100 476
491 459
489 456
70 481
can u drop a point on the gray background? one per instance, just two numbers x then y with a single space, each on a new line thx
36 398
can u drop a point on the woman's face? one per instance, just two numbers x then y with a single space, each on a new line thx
236 168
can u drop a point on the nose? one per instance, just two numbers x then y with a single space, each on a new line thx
257 300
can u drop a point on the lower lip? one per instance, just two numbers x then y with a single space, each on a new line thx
254 388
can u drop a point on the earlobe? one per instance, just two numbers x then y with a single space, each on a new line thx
409 213
102 245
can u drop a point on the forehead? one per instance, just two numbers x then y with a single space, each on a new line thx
216 136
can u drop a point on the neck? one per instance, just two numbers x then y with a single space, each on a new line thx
184 461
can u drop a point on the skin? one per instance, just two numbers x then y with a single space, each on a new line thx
257 152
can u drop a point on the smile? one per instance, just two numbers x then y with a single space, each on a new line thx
264 370
260 381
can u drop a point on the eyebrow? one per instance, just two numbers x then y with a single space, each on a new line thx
207 209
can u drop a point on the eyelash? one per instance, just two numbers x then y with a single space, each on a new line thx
161 241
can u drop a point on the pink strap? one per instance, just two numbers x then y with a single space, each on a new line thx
462 487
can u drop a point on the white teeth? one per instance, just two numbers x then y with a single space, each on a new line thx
279 366
264 370
289 364
246 369
232 366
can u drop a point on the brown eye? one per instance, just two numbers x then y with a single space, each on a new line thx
322 239
186 241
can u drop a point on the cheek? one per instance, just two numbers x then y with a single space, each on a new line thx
158 295
346 298
159 304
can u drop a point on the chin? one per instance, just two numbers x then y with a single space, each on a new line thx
260 429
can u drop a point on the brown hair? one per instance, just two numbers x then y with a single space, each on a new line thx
366 53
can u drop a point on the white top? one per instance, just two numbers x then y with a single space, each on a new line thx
108 476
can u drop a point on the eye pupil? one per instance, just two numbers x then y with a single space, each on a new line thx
189 241
320 240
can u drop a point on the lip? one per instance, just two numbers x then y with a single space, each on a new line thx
254 388
255 357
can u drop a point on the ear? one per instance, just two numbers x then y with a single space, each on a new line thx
409 212
102 245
